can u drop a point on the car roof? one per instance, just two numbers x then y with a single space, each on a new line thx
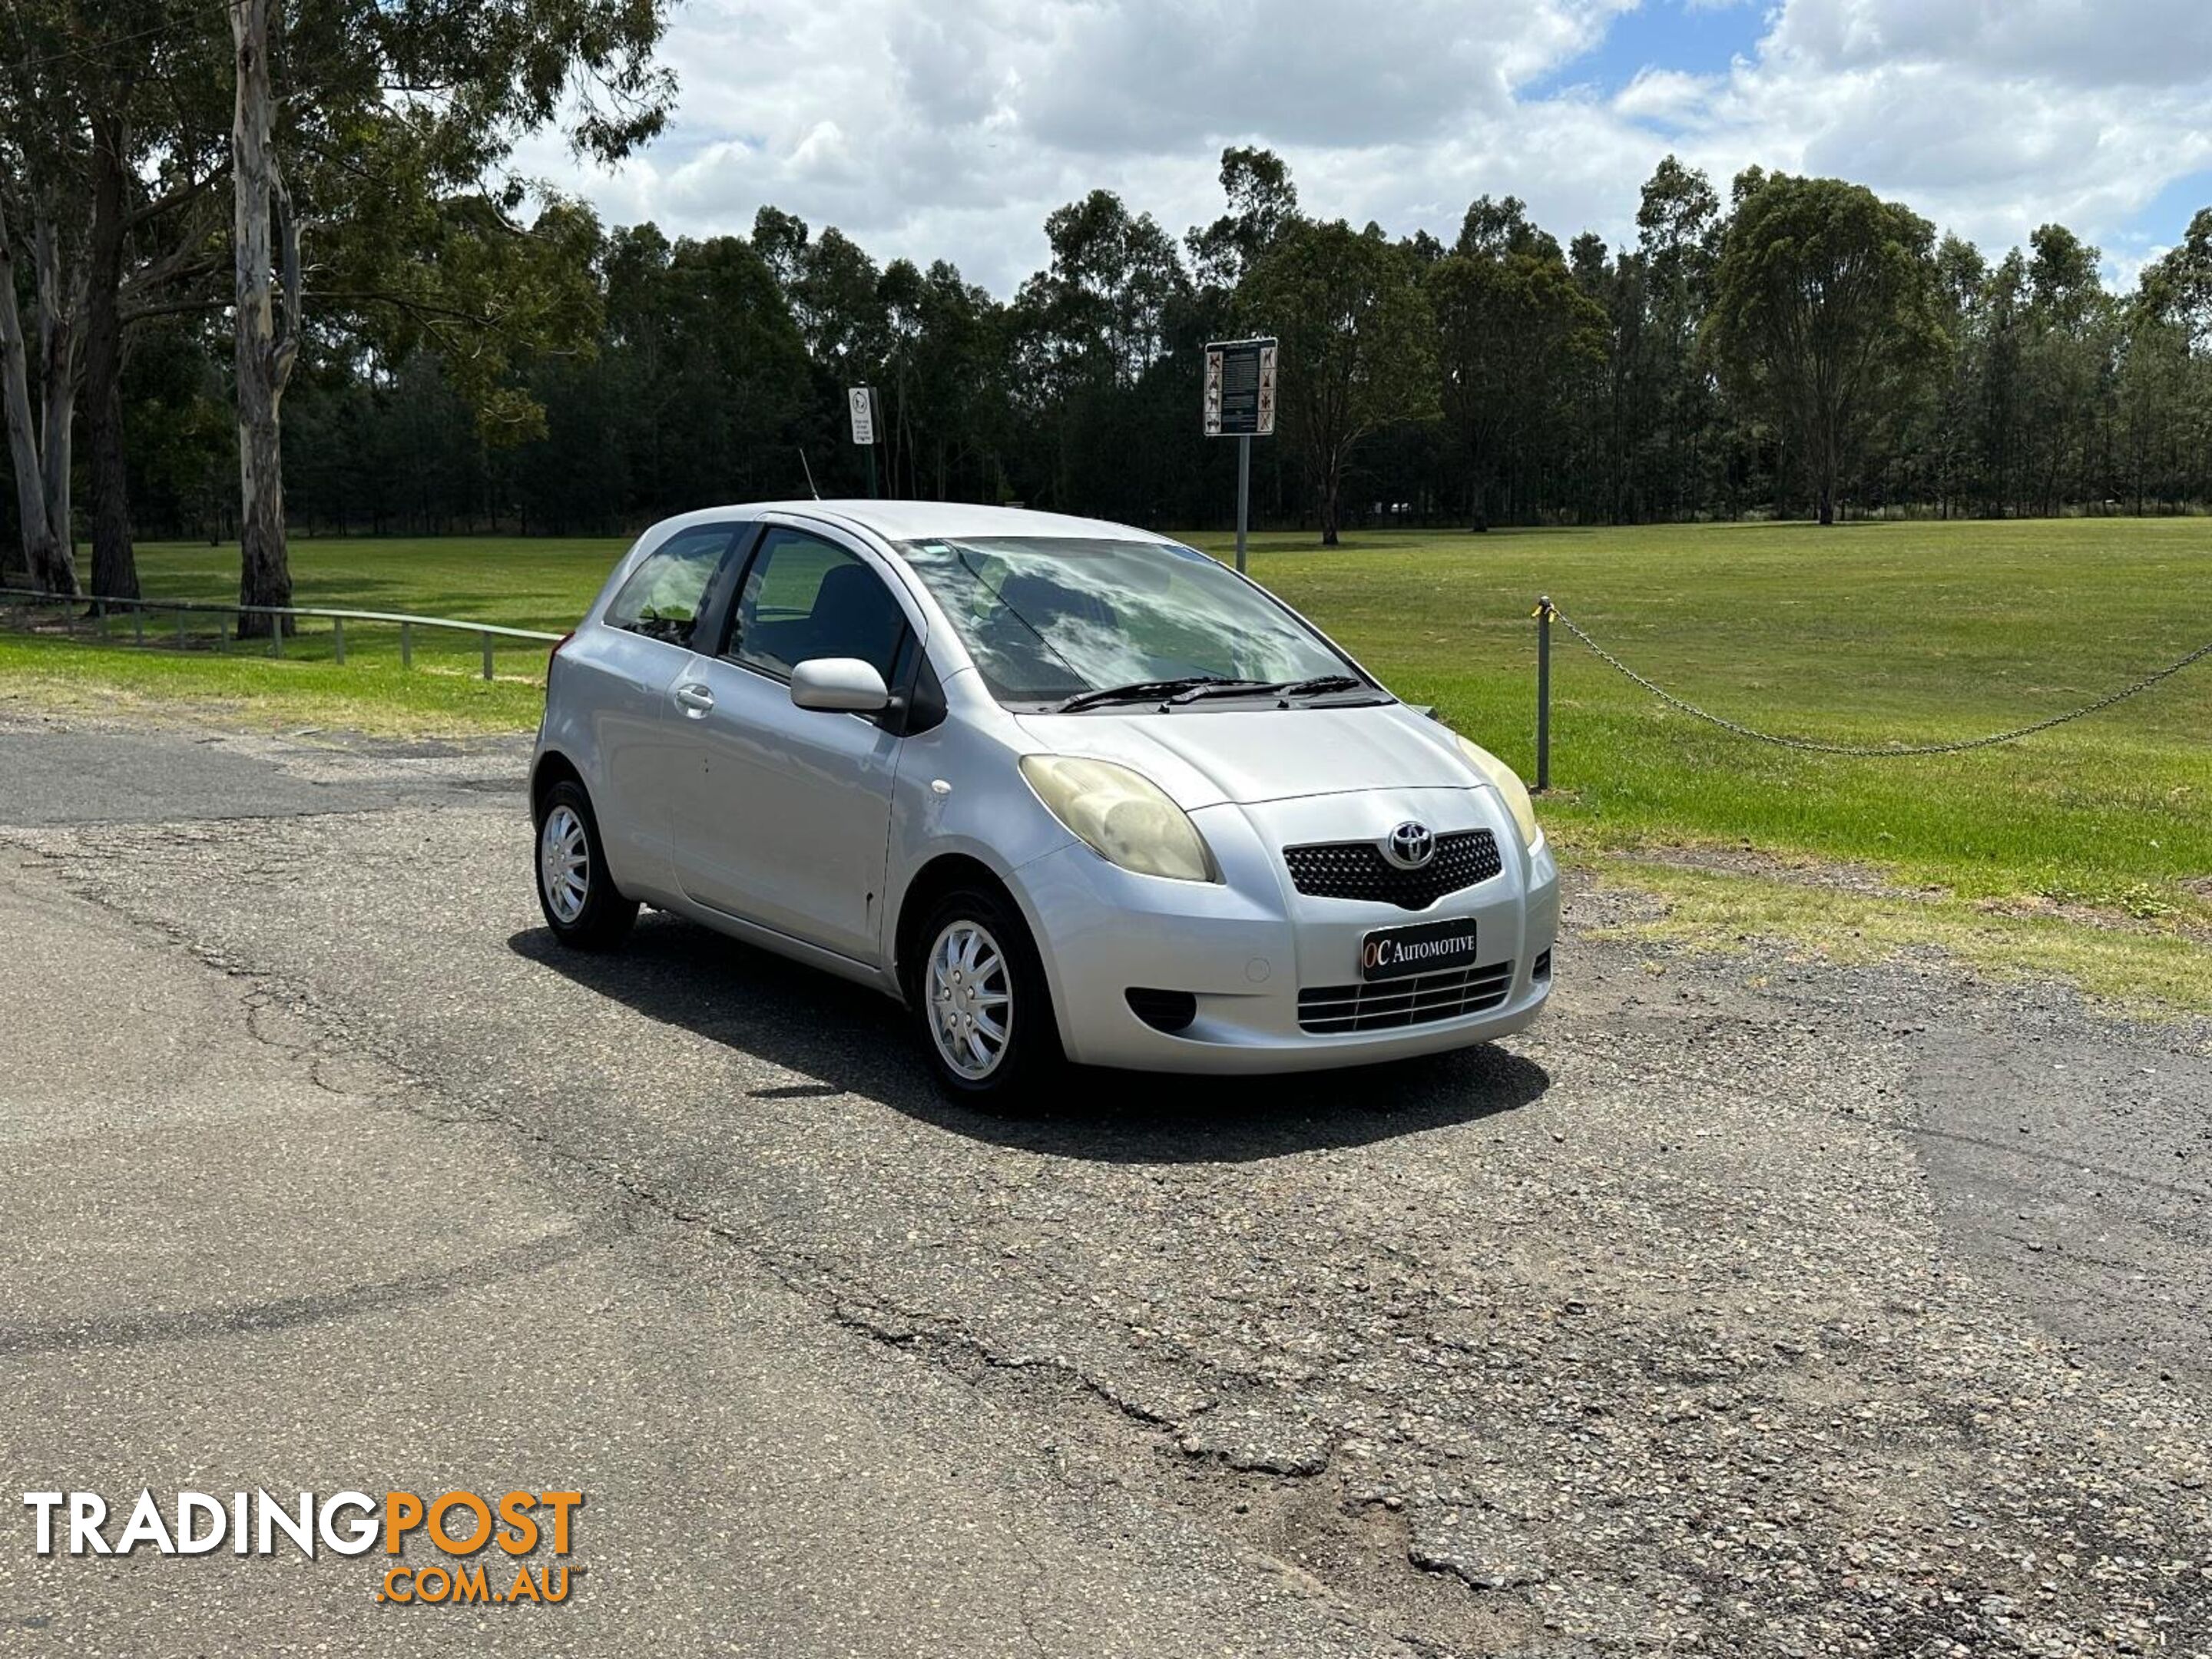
907 521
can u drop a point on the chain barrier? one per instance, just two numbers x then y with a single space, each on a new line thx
1551 612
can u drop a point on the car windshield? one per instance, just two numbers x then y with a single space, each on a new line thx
1048 618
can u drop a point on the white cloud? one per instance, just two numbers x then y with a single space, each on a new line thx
950 128
2109 43
1671 96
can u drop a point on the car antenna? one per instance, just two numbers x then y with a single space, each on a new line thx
811 490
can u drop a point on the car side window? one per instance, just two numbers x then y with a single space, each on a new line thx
805 597
665 593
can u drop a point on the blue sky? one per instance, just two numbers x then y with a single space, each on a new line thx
950 128
1701 40
2162 220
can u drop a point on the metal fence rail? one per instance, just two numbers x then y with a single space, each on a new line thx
106 612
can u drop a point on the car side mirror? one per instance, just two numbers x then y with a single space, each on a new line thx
839 685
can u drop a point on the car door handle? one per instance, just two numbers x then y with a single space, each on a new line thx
695 699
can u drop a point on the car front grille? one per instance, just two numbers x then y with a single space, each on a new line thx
1358 869
1416 999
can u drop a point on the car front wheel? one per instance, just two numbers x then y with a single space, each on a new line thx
574 890
979 993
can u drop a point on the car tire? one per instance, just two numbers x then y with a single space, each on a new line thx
982 1005
575 889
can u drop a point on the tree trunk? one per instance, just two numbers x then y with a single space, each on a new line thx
1331 487
52 570
1825 467
114 567
264 352
57 361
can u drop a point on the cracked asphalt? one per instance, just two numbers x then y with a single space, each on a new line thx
1746 1305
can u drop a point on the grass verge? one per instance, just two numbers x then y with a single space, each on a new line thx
376 698
2150 969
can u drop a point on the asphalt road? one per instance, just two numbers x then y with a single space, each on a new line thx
1746 1305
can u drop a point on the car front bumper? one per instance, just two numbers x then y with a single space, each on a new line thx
1245 948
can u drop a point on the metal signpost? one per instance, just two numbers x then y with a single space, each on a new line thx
863 401
1240 404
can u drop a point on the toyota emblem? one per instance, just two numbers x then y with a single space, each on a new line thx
1410 846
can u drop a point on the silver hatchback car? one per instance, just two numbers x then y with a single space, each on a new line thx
1068 790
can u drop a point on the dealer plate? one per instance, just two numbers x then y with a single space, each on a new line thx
1431 947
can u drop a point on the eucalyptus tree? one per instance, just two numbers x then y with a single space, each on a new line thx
2004 335
837 297
1512 329
42 173
110 143
959 386
2167 376
1357 345
1263 203
157 159
1677 222
40 169
37 446
1962 287
1824 314
1085 335
348 114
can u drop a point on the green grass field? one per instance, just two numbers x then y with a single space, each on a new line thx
1904 633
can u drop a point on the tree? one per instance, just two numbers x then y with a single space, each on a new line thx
410 106
1824 314
38 449
2167 378
959 384
2179 284
264 355
1113 279
1679 229
40 168
108 143
1357 344
1263 203
1087 332
1962 277
153 98
835 294
1512 328
2071 362
738 378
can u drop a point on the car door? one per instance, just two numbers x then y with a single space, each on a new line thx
785 813
623 673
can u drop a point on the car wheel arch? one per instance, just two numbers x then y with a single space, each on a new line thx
944 873
930 882
553 767
932 879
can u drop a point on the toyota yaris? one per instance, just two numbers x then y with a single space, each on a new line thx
1067 789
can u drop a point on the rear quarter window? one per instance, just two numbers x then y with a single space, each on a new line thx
664 596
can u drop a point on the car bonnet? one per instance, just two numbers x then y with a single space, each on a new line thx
1205 754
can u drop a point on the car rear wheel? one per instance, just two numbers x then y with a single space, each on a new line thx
574 890
979 993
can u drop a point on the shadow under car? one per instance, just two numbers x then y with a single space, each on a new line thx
855 1041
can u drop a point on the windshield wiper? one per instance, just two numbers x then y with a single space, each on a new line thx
1140 691
1319 685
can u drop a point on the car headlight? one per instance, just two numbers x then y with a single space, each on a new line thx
1121 815
1509 785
